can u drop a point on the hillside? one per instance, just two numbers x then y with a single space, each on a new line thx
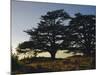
37 65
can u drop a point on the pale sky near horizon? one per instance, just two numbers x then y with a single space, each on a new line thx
26 14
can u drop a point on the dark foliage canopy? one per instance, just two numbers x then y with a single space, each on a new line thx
82 30
50 33
53 34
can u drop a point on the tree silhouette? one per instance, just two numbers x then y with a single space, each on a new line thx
82 31
50 33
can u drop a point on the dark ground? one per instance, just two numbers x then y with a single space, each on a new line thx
39 65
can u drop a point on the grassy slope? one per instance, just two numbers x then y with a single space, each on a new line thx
35 65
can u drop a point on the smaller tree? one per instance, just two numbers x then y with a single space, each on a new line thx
82 33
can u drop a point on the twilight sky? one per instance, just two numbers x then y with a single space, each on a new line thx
26 15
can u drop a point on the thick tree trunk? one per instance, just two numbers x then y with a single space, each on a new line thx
53 54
